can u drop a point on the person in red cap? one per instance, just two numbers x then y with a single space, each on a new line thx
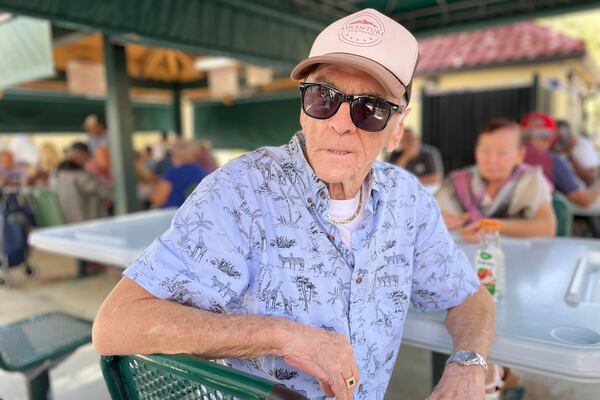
297 263
541 134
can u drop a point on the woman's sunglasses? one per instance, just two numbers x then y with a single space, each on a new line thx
368 113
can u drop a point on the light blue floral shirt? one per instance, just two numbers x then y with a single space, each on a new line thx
253 239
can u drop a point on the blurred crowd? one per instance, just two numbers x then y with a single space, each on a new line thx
81 177
519 168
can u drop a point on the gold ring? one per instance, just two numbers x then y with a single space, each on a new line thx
350 382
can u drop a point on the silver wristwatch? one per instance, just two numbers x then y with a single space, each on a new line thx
467 357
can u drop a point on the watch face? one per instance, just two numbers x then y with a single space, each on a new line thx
466 356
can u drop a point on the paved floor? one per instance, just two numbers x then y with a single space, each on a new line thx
56 288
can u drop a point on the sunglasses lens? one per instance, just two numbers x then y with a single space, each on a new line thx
370 114
320 102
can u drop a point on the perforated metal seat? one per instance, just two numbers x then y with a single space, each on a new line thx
35 345
171 377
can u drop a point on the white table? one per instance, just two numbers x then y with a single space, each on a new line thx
537 330
114 240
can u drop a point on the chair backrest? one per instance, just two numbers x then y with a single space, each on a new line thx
564 214
45 207
171 377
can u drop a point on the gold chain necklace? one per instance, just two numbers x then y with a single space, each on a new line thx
350 218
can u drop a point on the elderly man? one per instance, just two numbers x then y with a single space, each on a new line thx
297 263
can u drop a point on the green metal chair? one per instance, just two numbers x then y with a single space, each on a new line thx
45 207
47 213
174 377
35 345
564 214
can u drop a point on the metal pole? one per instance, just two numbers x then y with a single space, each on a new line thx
120 127
177 117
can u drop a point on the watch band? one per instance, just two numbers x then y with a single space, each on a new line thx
467 358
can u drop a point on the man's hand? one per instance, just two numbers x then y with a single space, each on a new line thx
460 382
328 356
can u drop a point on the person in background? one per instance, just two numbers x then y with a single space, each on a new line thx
498 187
47 163
177 182
579 151
11 173
147 158
25 151
143 174
161 154
420 159
540 134
49 158
205 157
95 127
160 148
99 165
80 194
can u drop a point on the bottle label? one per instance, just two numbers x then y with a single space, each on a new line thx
485 271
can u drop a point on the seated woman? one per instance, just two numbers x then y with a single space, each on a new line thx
499 187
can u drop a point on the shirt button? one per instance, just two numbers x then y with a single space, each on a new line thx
360 387
310 200
330 237
323 195
359 280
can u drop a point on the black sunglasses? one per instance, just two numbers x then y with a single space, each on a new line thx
368 113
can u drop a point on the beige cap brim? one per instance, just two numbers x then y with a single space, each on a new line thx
376 70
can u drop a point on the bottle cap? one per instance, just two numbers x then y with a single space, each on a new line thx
489 225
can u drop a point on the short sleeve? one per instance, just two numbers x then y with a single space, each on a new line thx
200 260
585 154
563 177
442 275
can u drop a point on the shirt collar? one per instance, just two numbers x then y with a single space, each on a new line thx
316 189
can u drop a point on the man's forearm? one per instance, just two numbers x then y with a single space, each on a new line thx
472 324
150 325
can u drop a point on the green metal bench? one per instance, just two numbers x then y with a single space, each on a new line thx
175 377
35 345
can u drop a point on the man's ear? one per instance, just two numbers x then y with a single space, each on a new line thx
398 132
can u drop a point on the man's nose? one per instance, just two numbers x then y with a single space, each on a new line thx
341 122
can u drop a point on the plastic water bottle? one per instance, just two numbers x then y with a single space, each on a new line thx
489 259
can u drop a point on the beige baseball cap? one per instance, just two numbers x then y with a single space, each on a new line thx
369 41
